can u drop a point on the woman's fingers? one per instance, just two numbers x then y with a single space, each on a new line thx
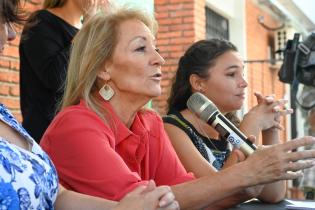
301 155
259 97
167 199
296 143
279 162
150 186
289 175
173 206
299 165
161 197
267 99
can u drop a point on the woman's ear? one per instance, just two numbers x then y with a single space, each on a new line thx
104 75
197 83
104 72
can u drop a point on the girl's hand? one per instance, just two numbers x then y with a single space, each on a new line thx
267 113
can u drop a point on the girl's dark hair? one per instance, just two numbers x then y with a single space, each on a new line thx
10 11
197 60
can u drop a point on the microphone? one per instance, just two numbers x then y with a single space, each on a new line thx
208 112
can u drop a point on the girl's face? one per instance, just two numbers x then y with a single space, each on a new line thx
225 86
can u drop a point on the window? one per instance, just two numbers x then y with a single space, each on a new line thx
216 25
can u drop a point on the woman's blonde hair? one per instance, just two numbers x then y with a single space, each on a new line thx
92 47
53 3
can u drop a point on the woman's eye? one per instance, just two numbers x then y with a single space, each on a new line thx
231 74
157 50
140 49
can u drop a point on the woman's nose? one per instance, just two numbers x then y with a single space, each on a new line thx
11 33
243 83
158 59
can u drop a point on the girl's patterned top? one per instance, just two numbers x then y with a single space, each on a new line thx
214 151
28 179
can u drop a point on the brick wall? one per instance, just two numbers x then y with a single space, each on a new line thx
181 22
262 77
9 68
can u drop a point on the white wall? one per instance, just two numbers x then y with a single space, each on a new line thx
235 12
142 4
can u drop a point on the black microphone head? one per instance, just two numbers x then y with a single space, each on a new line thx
202 106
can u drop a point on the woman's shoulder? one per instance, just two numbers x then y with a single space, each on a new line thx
44 22
43 15
77 113
37 23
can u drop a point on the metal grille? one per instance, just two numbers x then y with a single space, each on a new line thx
216 25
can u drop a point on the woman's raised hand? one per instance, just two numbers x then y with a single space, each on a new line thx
268 111
149 197
93 6
278 162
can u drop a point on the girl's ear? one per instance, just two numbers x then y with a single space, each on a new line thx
197 83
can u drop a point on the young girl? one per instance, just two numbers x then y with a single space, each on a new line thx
215 69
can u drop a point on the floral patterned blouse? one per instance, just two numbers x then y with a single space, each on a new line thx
28 179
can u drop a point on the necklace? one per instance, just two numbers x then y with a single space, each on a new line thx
203 131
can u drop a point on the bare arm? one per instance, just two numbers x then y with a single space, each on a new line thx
194 162
273 192
69 200
190 157
266 165
268 111
147 197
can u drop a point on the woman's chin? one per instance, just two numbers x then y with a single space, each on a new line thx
155 93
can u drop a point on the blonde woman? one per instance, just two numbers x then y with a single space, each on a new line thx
44 53
104 143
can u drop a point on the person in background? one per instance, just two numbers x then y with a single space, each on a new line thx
215 68
308 180
103 136
28 179
44 53
306 101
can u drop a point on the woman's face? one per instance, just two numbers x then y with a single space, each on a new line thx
7 33
135 67
226 84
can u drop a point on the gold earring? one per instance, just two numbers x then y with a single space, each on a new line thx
106 92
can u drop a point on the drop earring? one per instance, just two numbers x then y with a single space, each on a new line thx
106 92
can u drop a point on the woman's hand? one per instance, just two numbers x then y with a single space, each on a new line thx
265 115
93 6
149 197
277 108
277 162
